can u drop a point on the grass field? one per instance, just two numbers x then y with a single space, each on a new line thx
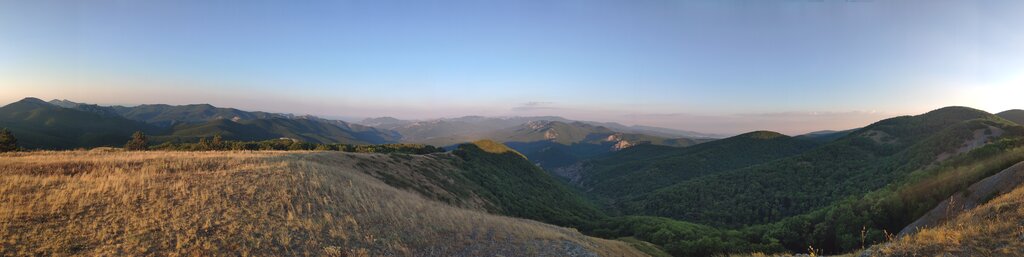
247 203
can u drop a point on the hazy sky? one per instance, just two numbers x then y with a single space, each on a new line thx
711 66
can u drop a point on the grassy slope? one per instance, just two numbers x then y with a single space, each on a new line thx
233 203
485 176
993 229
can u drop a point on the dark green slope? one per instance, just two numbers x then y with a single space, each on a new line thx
502 178
826 135
39 124
642 169
1015 115
844 226
520 188
865 160
550 155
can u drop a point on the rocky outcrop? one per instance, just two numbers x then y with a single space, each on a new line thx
980 138
622 145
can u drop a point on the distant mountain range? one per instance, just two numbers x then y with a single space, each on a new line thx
38 124
448 130
64 124
549 141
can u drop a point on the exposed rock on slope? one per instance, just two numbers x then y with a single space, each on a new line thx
981 138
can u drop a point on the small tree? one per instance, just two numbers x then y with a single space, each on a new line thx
203 144
218 142
137 143
8 143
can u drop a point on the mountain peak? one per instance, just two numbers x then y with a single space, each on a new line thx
762 134
538 124
33 100
956 112
205 106
63 103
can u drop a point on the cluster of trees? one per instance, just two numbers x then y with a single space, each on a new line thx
680 238
8 143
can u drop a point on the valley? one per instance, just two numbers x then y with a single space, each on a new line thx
524 186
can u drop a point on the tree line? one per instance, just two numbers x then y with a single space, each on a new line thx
139 142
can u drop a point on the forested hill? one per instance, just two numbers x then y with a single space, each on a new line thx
864 160
39 124
62 124
642 169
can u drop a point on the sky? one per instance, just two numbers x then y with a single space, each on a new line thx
712 66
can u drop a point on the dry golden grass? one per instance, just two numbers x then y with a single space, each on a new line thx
993 229
249 204
758 254
491 146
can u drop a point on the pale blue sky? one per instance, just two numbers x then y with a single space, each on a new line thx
714 66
